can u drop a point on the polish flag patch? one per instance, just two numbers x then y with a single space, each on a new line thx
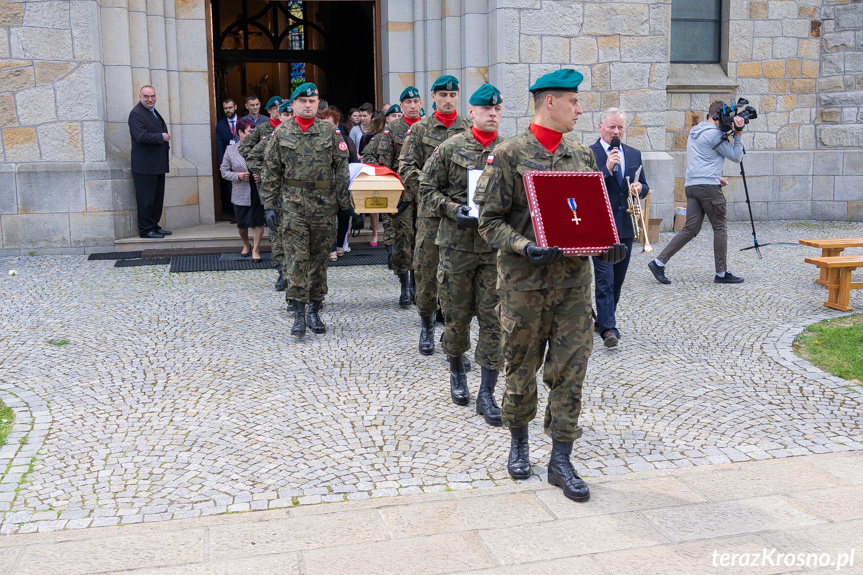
343 146
490 159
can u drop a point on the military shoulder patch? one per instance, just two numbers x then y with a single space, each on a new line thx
490 159
408 132
338 131
343 146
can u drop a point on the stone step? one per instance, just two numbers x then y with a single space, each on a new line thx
220 235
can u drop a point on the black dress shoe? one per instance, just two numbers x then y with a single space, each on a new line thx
562 474
152 235
245 255
257 260
165 232
518 464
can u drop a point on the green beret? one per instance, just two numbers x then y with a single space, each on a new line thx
564 80
486 95
448 83
409 92
306 90
394 109
274 101
286 107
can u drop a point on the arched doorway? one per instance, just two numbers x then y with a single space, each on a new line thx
268 47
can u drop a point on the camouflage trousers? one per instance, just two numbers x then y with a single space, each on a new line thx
278 248
425 265
308 241
404 235
387 223
467 286
529 320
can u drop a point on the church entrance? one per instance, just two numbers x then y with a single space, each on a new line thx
268 48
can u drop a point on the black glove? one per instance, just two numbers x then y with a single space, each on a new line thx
402 206
464 219
613 255
272 219
543 256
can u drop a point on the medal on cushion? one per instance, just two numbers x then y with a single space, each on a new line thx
573 205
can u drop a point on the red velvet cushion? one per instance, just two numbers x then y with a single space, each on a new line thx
547 196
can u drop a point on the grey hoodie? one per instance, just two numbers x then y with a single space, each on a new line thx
703 163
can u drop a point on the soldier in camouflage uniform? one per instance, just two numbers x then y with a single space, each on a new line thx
544 296
306 165
467 273
422 138
252 149
386 153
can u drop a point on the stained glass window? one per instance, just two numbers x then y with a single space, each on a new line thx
296 40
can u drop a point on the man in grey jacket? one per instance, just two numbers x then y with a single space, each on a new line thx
706 151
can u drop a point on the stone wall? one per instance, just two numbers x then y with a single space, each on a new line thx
783 55
70 72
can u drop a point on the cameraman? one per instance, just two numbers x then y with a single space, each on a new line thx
706 151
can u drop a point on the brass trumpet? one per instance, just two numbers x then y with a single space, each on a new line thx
637 215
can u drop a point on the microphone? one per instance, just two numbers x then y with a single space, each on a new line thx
614 144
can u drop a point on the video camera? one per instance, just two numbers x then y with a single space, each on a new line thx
726 117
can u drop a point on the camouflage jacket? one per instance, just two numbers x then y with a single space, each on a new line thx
389 145
421 140
294 159
370 152
443 188
252 147
504 217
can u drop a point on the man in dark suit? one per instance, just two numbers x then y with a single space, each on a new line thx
226 134
150 145
616 165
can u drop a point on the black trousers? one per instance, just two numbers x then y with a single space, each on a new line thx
150 195
344 219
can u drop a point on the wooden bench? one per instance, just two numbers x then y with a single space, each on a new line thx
839 284
831 248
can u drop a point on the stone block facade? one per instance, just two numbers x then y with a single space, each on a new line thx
797 61
70 72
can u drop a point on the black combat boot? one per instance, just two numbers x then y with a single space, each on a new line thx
315 322
413 287
405 296
485 403
426 345
280 281
518 465
298 330
458 381
562 474
390 257
466 363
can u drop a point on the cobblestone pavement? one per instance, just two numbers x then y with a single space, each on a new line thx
181 395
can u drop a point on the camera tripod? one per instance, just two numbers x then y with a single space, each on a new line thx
756 246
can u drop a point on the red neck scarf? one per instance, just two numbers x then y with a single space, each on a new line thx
412 121
550 139
484 138
304 123
446 119
275 123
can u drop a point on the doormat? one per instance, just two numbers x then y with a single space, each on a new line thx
131 263
114 256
